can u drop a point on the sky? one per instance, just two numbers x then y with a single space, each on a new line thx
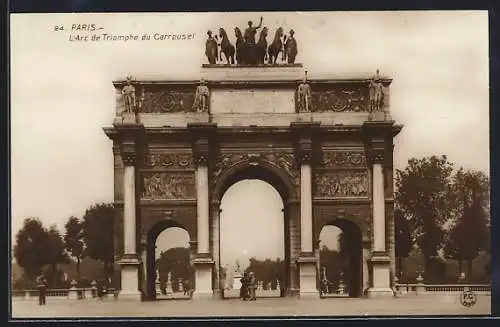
62 93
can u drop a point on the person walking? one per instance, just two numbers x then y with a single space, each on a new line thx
41 283
252 285
243 288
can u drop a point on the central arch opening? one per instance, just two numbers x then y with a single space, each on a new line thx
253 233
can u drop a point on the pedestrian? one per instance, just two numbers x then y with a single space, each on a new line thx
252 285
41 283
243 289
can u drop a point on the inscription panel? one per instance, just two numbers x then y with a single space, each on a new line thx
168 161
250 101
340 184
168 186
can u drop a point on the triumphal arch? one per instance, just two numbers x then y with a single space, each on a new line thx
326 145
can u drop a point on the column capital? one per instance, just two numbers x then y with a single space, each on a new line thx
201 137
129 157
304 134
304 156
377 156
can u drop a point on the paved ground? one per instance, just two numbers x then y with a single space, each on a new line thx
423 305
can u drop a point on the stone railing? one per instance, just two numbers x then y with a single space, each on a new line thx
68 293
421 288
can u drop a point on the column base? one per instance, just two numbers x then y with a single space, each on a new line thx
127 295
307 275
381 286
380 292
217 294
129 266
203 278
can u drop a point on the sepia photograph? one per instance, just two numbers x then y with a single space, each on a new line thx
250 164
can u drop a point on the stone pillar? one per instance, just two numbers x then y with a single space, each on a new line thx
129 261
307 259
381 284
215 228
203 262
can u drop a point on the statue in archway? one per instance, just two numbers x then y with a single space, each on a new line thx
128 93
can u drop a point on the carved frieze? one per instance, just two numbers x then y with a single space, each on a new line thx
340 99
283 160
341 184
168 186
344 158
168 160
168 101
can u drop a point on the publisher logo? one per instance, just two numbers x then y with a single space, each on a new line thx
468 298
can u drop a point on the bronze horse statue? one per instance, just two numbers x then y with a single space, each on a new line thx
262 47
240 46
226 47
276 46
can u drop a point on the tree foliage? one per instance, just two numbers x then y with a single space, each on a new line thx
469 233
98 222
268 271
36 247
423 194
177 262
31 247
73 240
403 239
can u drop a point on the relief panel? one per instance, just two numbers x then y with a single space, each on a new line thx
168 186
340 184
340 98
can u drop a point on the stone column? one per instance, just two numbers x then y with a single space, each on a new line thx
380 258
130 261
215 228
203 261
307 259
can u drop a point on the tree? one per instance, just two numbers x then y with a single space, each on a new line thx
55 252
73 240
98 222
403 239
469 234
31 247
423 194
177 262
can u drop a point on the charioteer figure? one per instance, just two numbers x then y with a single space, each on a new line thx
291 48
211 49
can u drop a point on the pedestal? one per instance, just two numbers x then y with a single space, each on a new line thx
129 279
307 277
381 286
203 278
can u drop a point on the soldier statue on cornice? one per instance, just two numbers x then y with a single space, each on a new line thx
376 92
128 93
304 96
201 98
